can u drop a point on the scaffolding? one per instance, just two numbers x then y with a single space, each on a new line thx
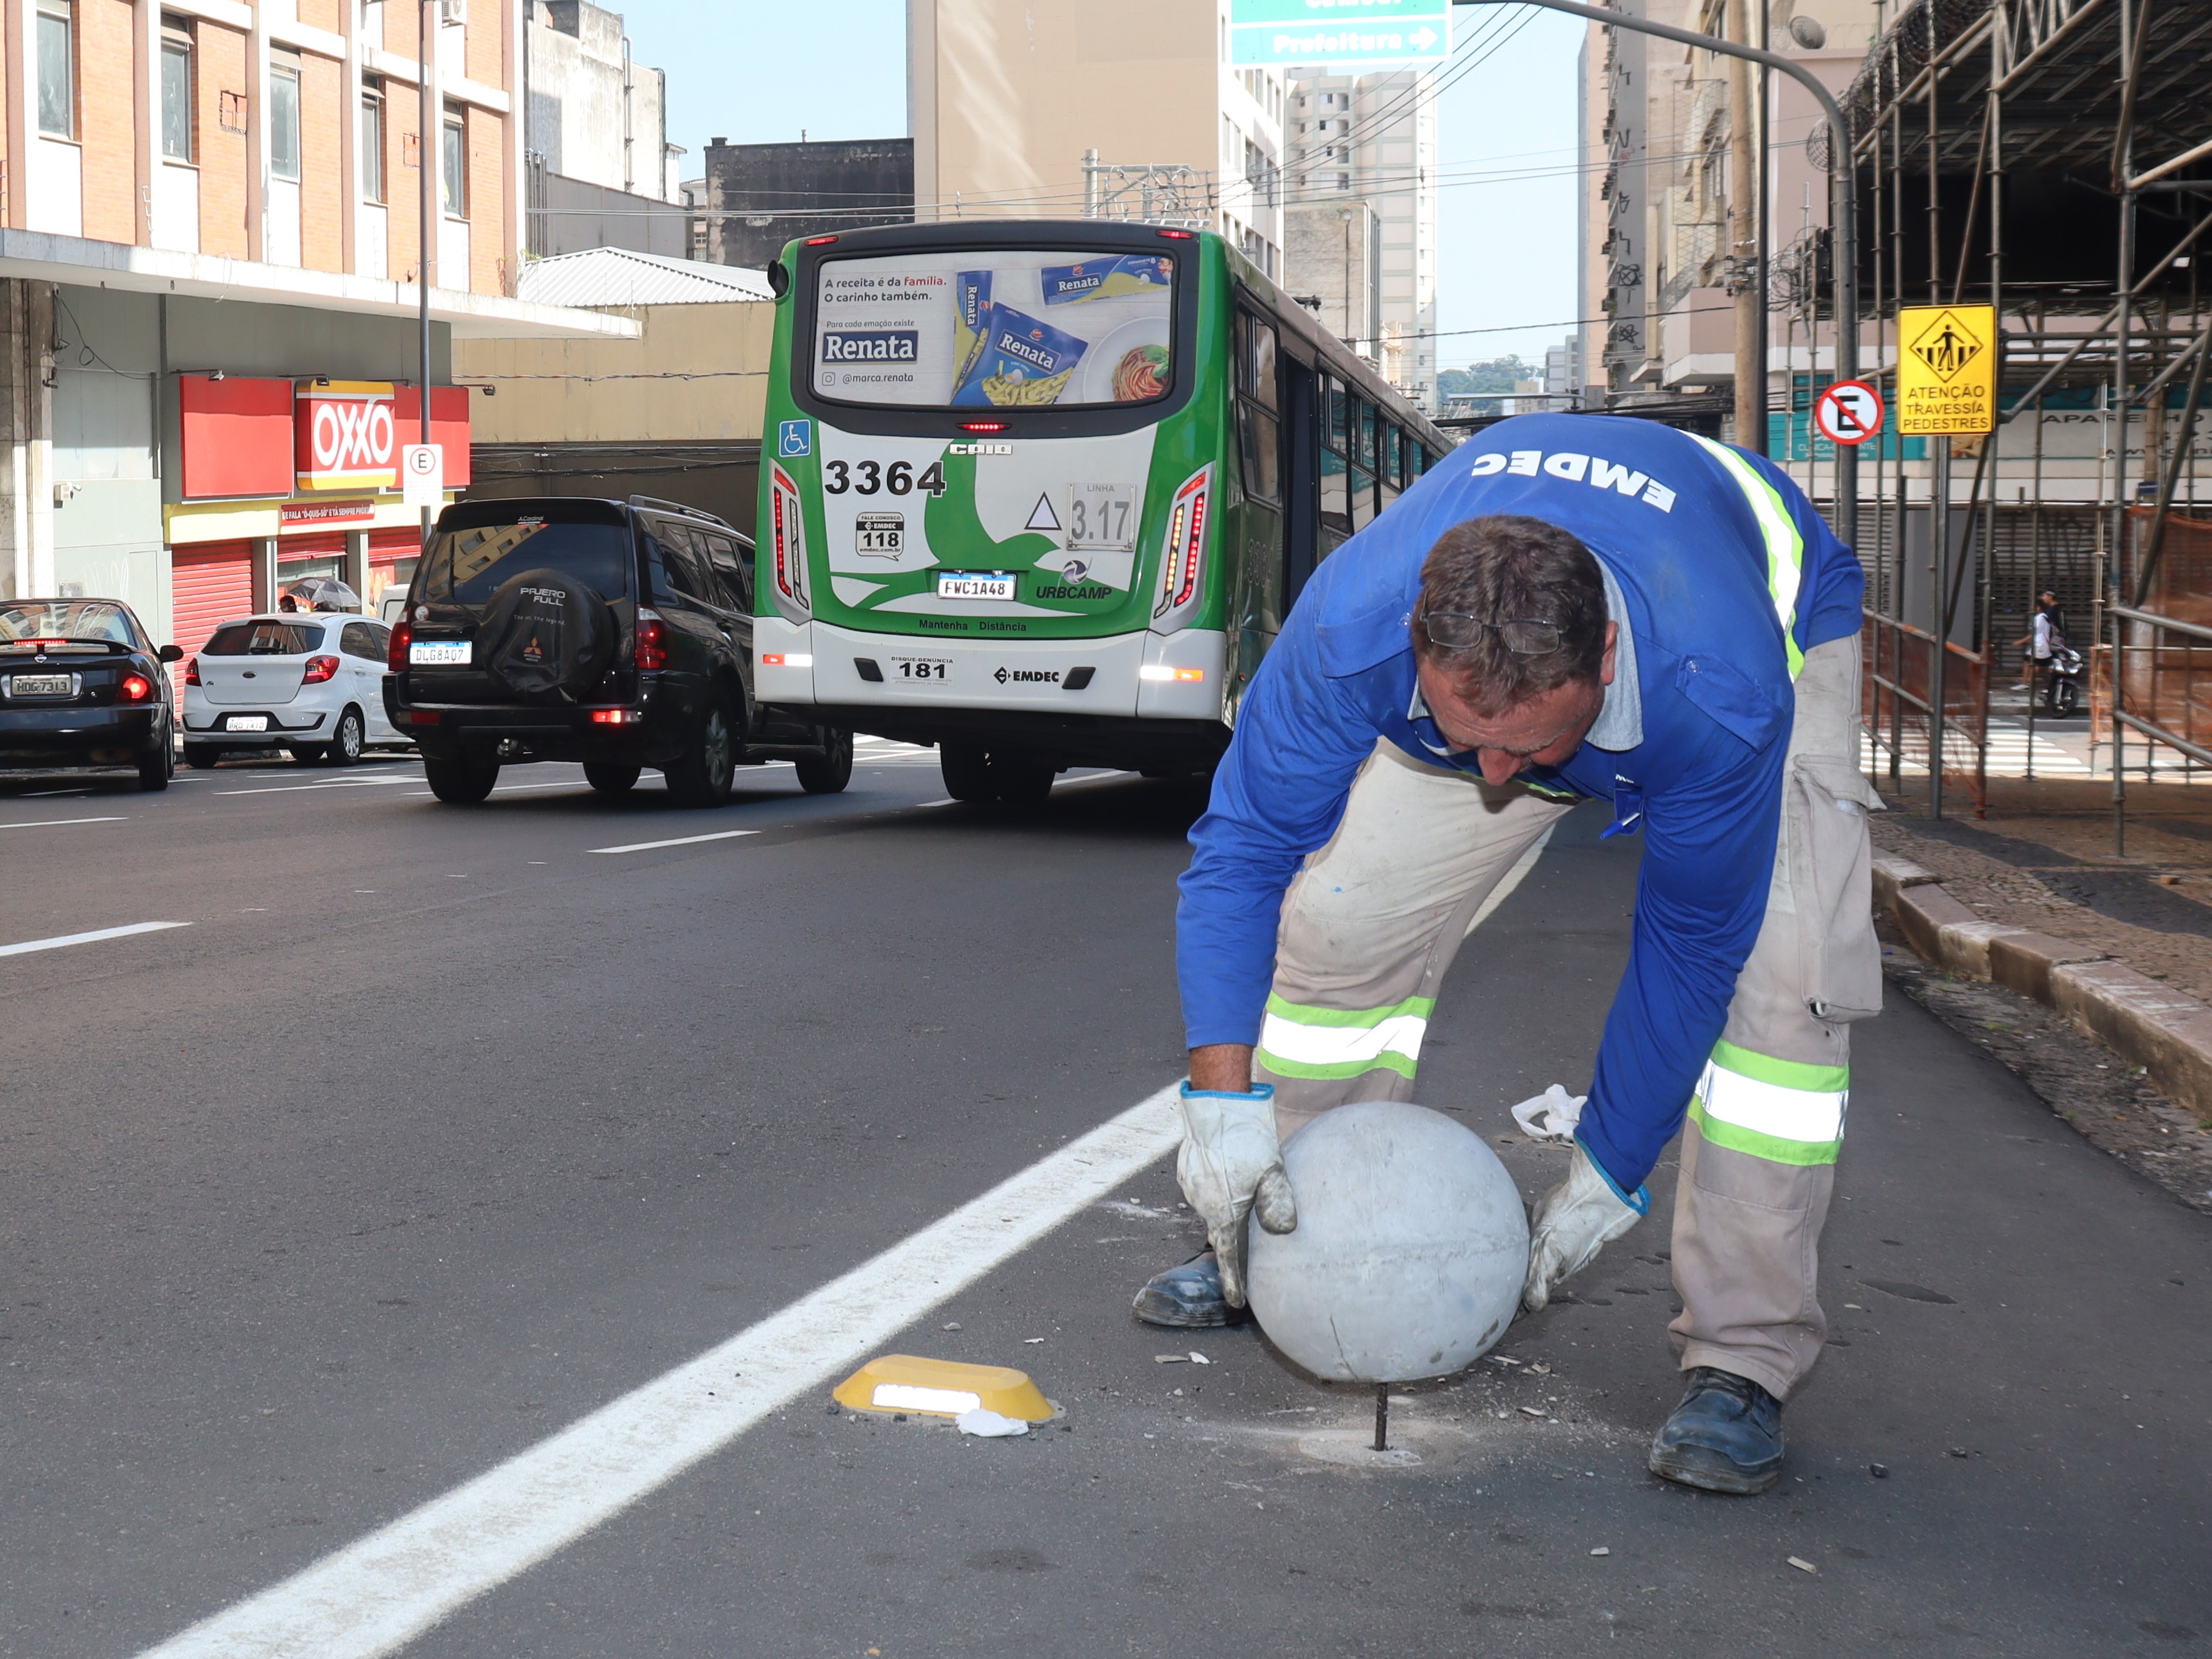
2052 159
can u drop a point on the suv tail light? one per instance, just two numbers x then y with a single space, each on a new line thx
395 654
651 650
191 671
786 530
136 688
318 670
1182 561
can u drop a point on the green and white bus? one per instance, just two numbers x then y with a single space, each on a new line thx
1040 493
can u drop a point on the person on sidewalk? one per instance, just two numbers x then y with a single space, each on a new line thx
2045 635
1568 608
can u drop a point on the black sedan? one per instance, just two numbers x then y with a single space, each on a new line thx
83 685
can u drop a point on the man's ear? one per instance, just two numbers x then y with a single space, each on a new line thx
1605 663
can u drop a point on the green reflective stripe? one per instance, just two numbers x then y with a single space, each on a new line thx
1303 1013
1787 1073
1774 1148
1298 1040
1785 548
1388 1060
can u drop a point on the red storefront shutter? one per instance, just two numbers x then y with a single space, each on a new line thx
209 585
387 547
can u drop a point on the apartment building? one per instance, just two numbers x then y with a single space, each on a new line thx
1361 151
1126 112
599 169
209 257
1652 224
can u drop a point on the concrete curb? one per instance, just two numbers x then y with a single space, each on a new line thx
2146 1023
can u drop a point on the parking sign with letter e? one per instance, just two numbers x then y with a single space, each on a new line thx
423 475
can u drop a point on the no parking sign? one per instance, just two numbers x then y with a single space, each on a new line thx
1848 412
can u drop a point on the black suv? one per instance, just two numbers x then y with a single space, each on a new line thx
618 634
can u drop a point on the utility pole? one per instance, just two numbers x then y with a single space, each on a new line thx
1743 260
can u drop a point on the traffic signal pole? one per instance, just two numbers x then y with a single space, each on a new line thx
1842 212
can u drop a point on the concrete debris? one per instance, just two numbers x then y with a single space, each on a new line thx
1879 1471
954 1326
1197 1358
1532 1411
1170 1359
1802 1565
1601 1550
989 1425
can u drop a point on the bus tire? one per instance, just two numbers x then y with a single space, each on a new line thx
967 771
828 773
1022 782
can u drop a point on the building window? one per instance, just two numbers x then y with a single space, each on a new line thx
454 173
176 91
57 69
284 118
370 145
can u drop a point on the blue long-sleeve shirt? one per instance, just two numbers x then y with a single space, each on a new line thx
1686 534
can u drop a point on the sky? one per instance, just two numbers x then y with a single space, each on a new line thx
756 71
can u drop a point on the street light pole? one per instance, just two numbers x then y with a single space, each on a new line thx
425 16
1842 214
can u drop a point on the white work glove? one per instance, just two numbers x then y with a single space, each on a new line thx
1559 1110
1231 1164
1573 1222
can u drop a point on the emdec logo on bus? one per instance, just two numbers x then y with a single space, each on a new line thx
343 435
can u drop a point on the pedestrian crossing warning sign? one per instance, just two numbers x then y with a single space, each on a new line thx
1947 371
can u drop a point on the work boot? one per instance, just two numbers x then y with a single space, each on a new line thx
1726 1435
1186 1298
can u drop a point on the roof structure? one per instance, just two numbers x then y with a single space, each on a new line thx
619 276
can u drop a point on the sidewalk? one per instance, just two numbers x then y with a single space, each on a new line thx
2043 860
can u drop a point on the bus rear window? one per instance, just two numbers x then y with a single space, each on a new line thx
468 566
997 329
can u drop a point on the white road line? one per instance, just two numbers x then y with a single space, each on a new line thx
45 823
295 788
379 1593
59 941
505 788
680 840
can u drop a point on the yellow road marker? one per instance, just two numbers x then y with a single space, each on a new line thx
941 1388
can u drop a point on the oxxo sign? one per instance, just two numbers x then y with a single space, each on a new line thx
345 435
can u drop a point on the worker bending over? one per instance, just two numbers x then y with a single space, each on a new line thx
1567 608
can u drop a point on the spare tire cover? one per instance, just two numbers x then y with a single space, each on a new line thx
546 634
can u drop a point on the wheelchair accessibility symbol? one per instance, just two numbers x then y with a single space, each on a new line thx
794 438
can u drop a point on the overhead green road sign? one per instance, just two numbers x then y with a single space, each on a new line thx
1371 33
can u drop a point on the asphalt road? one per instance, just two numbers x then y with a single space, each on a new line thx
438 1129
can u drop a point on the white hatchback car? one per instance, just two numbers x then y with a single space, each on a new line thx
309 682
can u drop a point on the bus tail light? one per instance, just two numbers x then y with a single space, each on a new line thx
1182 561
787 537
651 649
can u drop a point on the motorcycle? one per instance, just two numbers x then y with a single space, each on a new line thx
2062 682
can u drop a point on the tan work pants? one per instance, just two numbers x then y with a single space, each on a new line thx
1371 923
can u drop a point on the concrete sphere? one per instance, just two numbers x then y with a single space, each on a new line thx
1409 1252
